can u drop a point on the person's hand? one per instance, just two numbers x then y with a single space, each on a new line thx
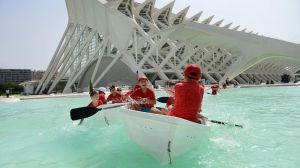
144 101
202 116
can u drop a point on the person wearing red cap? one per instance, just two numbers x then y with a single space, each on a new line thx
101 92
144 97
189 95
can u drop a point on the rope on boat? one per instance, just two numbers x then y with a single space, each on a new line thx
169 151
106 120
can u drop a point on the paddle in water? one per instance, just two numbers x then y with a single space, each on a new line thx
165 99
85 112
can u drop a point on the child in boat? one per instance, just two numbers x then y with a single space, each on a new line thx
95 101
115 96
170 102
101 92
144 97
189 95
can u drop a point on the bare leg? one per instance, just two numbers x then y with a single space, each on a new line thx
155 110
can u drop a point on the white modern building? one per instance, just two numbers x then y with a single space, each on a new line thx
109 41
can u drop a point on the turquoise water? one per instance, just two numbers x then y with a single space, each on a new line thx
39 133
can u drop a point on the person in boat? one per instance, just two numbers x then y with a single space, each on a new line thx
136 87
189 95
214 88
114 96
144 97
95 101
101 92
169 105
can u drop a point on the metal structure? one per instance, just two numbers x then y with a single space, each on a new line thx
112 40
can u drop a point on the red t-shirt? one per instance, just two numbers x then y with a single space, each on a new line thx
214 89
117 98
139 94
136 87
170 101
102 97
188 100
92 105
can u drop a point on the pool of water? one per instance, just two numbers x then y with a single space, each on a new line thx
39 133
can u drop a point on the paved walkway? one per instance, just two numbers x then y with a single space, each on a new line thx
16 98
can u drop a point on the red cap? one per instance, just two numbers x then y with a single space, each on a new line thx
192 71
143 78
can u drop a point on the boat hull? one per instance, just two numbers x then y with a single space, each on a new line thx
165 137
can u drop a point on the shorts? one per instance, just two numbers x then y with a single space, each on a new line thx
145 109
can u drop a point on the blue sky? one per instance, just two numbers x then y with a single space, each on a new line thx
30 30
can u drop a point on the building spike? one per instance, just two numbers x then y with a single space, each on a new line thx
218 23
143 5
195 17
208 20
180 16
162 10
227 26
236 28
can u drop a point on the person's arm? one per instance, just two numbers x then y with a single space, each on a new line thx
201 116
200 108
109 98
103 99
100 103
153 102
152 99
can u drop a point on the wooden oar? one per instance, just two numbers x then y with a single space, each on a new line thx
165 99
225 123
85 112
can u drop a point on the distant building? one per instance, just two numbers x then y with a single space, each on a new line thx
29 87
38 75
15 75
107 41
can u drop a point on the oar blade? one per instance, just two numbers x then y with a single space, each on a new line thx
83 112
162 99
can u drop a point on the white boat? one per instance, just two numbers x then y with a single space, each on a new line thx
165 137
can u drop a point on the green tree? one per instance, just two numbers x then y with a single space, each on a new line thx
14 88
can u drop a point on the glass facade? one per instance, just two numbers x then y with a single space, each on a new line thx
15 75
